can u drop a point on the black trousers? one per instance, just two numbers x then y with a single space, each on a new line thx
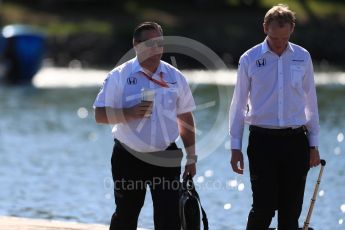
131 178
278 164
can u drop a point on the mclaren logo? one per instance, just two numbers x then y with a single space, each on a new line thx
131 81
261 62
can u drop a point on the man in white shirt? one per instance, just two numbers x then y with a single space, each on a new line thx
275 94
150 104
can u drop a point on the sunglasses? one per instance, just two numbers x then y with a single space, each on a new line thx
151 43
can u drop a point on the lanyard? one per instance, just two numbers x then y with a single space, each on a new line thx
161 83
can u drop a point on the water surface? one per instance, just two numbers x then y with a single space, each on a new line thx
55 161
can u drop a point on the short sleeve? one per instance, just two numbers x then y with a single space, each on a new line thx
108 92
185 101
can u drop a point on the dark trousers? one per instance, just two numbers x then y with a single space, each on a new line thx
131 177
278 167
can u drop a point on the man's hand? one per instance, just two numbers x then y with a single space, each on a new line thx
314 158
189 169
108 115
143 109
237 161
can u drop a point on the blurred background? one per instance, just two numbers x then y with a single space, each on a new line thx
54 159
97 32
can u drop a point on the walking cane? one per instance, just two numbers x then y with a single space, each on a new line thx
307 221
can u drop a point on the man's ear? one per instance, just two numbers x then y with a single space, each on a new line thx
135 45
292 27
265 27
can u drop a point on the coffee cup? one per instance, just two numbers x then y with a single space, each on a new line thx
148 95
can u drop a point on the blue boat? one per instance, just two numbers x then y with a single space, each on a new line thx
21 53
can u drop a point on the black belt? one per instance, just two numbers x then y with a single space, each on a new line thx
278 132
170 157
172 146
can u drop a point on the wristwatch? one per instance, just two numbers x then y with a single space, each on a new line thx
194 158
314 147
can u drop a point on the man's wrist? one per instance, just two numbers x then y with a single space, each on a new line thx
192 158
235 150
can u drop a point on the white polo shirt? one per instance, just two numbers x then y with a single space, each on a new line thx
122 89
274 91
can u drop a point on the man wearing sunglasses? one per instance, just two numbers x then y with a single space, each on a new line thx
150 104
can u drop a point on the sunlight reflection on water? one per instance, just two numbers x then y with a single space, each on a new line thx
55 160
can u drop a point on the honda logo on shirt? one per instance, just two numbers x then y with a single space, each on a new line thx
131 81
261 62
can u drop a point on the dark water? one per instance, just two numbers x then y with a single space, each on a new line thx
55 161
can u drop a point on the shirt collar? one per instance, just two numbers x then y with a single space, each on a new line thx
136 67
265 48
290 47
